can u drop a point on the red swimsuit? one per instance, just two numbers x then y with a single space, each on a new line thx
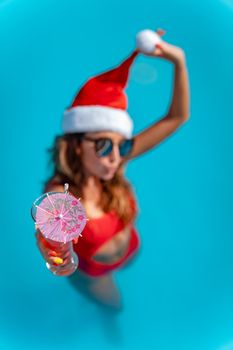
97 232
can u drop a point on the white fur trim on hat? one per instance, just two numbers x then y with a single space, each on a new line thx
97 118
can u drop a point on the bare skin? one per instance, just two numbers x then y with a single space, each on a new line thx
103 289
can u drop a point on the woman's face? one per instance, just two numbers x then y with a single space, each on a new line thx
102 167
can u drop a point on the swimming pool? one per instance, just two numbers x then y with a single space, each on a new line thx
178 293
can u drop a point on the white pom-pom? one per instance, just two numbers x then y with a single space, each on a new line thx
146 40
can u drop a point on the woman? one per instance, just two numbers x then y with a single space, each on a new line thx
91 155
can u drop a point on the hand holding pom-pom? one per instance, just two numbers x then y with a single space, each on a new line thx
147 40
151 44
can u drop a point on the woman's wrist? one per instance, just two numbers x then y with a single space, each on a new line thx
180 60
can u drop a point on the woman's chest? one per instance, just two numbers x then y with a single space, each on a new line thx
105 233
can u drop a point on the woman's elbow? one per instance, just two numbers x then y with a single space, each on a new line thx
185 118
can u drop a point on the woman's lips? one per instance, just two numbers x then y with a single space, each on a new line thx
111 170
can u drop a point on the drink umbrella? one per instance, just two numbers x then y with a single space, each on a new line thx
61 218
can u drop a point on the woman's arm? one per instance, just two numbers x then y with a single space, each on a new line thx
179 109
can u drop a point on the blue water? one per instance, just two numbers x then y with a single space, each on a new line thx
178 293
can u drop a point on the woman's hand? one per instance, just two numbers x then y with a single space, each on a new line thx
57 256
167 51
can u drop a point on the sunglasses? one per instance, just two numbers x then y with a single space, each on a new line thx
104 146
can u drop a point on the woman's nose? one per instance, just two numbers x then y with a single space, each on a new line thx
115 154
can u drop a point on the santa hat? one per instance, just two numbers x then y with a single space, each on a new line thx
101 104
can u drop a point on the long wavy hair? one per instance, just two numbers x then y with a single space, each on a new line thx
117 193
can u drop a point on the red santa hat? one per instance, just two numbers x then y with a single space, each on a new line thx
101 104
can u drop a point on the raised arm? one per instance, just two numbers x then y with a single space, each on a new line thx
178 112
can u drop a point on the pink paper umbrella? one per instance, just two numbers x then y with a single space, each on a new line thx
59 215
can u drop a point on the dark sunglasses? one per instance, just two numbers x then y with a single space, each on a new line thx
104 146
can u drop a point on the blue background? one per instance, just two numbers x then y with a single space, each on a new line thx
178 294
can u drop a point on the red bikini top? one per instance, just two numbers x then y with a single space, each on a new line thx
97 232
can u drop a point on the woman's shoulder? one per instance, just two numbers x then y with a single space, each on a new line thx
53 183
133 202
56 183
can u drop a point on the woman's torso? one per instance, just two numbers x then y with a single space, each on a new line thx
112 247
115 247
